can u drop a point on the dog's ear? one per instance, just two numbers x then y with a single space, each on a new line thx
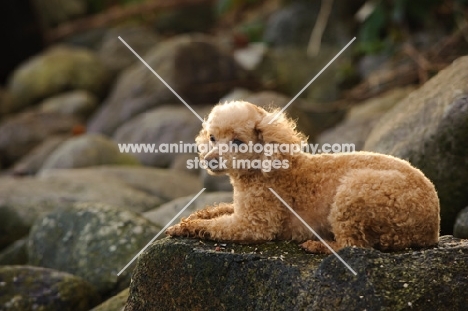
282 130
203 141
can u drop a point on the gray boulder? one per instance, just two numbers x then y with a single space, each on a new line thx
460 229
186 274
116 303
78 239
87 150
116 56
23 200
15 254
58 69
32 162
164 213
160 126
360 120
21 133
78 103
25 288
429 128
191 64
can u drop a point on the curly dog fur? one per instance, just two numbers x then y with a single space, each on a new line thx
359 199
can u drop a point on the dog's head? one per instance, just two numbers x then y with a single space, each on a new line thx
237 137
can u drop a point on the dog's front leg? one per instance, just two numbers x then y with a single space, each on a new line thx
225 228
210 212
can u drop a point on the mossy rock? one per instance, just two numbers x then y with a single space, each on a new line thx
91 240
189 274
24 288
429 129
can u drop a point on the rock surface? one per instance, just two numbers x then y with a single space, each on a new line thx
116 56
429 128
190 64
460 230
360 120
32 162
21 133
78 239
162 125
116 303
164 213
77 103
15 254
88 150
186 274
58 69
24 288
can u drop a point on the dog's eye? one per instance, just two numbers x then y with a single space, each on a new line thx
212 138
237 142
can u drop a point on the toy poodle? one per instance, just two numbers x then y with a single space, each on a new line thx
358 199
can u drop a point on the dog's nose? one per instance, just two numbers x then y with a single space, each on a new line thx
212 163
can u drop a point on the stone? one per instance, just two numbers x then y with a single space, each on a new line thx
160 126
58 69
116 56
23 132
116 303
15 254
360 119
87 150
193 65
164 213
77 239
12 225
23 200
32 162
77 103
215 183
163 185
24 288
429 129
188 274
460 230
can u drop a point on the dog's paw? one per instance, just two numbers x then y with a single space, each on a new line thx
315 247
177 230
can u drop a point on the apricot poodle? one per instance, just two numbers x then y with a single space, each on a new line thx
358 199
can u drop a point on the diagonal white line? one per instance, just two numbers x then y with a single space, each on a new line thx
310 82
313 231
162 80
159 233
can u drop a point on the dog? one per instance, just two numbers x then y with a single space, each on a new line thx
360 199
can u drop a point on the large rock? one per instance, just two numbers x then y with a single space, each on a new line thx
185 274
58 69
163 214
116 303
164 184
79 238
460 229
23 200
429 128
32 162
116 56
77 103
21 133
198 70
88 150
15 254
164 125
24 288
360 120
